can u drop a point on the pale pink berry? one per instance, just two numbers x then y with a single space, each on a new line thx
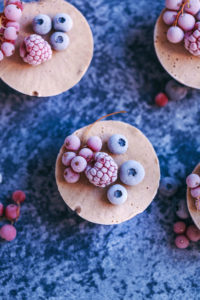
186 21
18 3
67 158
193 7
173 4
169 17
72 142
8 232
10 33
193 181
179 227
193 233
1 55
175 34
87 154
1 209
18 196
13 24
8 49
95 143
12 12
182 242
12 212
70 176
78 164
195 192
197 204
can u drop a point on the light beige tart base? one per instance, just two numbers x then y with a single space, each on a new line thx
191 202
91 202
175 59
65 69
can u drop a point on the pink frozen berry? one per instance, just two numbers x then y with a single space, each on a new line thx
18 3
72 142
182 242
8 49
12 12
70 176
193 180
1 55
193 233
13 24
1 209
195 192
10 33
87 154
95 143
78 164
12 212
67 158
8 232
179 227
18 196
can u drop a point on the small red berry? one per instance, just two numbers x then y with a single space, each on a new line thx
161 99
1 209
18 196
179 227
12 212
181 242
8 232
193 233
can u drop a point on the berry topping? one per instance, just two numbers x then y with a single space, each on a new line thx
173 4
195 192
175 34
181 210
1 209
193 181
67 158
131 173
18 3
12 12
8 232
102 171
19 196
42 24
179 227
13 24
193 233
168 186
7 49
169 17
62 22
192 40
71 176
12 212
182 242
186 22
72 142
10 33
118 144
117 194
175 91
78 164
161 99
193 7
87 154
95 143
59 41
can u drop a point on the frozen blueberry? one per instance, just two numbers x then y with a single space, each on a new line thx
181 210
131 172
175 91
59 41
62 22
42 24
168 186
117 194
117 144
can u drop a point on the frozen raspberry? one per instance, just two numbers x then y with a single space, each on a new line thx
12 12
10 33
7 48
78 164
35 50
8 232
87 154
67 158
72 142
95 143
71 176
192 40
102 171
179 227
182 242
19 196
193 233
13 24
161 99
193 181
12 212
1 209
1 55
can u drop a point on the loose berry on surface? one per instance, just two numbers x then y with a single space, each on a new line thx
16 25
87 154
18 196
161 99
179 227
117 194
175 34
182 242
78 164
186 22
118 144
8 232
169 17
7 49
62 22
131 173
59 41
168 186
12 12
95 143
175 91
193 7
70 176
12 212
173 4
181 210
10 33
67 158
42 24
195 192
72 142
1 55
1 209
193 181
193 233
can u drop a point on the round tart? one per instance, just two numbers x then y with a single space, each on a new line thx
195 214
90 202
65 69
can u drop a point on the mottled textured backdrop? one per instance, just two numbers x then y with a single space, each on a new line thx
57 255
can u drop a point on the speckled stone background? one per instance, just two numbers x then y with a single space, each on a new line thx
57 255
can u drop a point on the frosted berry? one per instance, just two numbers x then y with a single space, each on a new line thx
168 186
70 176
12 12
59 41
42 24
173 4
10 33
72 142
197 204
182 242
181 210
95 143
87 154
8 49
131 172
161 99
35 50
1 55
18 196
67 158
193 181
117 194
175 91
193 233
193 7
192 40
195 192
169 17
102 171
175 34
1 209
13 24
78 164
186 22
62 22
18 3
8 232
118 144
12 212
179 227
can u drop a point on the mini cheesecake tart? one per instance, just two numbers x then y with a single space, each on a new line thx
195 214
89 201
65 69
